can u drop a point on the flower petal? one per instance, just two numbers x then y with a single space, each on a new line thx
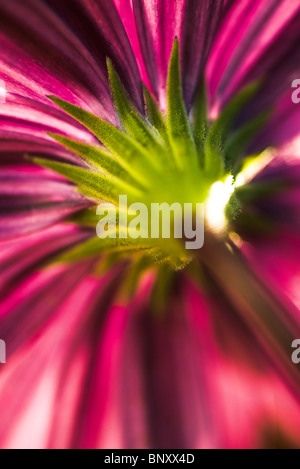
158 22
30 202
256 39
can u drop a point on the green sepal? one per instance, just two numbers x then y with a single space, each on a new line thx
213 163
258 190
101 159
140 263
222 125
94 185
179 128
155 115
200 122
214 145
86 217
236 145
131 120
122 145
96 246
161 290
254 223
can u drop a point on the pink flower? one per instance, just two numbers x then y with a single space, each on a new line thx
145 345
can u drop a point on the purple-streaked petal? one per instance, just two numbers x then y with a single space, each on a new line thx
32 303
164 357
99 28
29 202
282 127
41 55
24 124
125 10
256 40
41 360
196 41
158 22
249 23
23 255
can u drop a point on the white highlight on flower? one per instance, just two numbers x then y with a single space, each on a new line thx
218 197
240 180
2 92
221 191
256 165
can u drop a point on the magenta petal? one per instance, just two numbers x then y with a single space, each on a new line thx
21 256
256 39
45 50
125 10
31 218
42 369
158 22
282 127
196 42
40 56
165 374
23 129
87 367
29 202
99 28
36 302
97 346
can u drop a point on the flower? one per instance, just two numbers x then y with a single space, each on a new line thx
139 343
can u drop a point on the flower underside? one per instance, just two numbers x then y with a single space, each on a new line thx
179 157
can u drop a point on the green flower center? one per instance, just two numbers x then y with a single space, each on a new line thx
177 158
